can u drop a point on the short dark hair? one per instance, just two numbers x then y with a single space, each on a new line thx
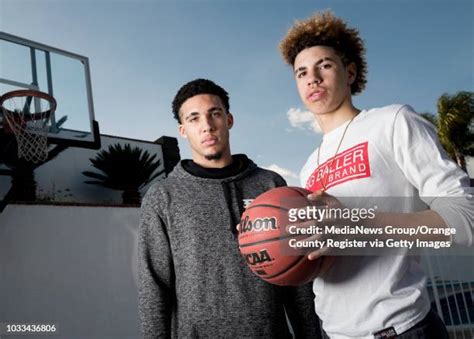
325 29
196 87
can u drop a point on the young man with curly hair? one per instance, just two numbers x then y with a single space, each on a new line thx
381 152
193 281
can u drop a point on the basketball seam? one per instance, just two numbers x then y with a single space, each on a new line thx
288 268
295 190
296 263
278 207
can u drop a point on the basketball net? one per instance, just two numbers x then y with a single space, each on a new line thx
30 128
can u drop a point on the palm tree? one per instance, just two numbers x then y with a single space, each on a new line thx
125 169
455 124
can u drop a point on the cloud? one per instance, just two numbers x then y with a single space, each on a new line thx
290 177
302 119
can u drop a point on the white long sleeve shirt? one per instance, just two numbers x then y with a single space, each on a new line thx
387 152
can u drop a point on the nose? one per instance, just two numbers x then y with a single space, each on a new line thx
208 124
315 77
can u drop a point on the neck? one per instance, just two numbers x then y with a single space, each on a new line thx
331 120
224 161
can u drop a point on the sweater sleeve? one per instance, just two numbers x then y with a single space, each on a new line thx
156 292
440 182
299 306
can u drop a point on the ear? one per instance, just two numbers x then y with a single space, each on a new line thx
230 120
182 131
351 73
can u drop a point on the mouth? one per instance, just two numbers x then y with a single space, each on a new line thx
316 95
209 141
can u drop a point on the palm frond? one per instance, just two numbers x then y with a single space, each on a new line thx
124 167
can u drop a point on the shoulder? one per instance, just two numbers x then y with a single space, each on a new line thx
388 112
394 118
159 192
408 120
268 176
152 196
395 112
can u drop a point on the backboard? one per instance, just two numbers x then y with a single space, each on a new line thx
26 64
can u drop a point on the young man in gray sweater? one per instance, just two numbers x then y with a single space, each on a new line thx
193 280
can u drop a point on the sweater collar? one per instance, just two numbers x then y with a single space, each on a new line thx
239 163
240 167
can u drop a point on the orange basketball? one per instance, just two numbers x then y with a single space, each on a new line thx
264 243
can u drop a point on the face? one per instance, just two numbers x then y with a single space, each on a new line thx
323 82
205 123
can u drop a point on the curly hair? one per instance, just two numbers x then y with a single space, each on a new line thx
327 30
196 87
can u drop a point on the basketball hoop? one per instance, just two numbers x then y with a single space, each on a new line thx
25 118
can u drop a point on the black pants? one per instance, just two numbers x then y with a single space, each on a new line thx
431 327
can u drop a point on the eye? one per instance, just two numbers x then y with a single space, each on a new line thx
193 119
216 113
325 66
301 74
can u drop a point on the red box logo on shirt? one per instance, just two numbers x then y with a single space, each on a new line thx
350 164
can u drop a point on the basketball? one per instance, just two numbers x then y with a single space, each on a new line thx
264 243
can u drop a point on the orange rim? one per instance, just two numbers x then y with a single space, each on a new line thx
30 93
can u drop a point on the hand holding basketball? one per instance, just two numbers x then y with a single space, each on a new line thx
264 241
321 198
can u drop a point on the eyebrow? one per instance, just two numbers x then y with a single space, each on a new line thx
190 115
212 109
319 62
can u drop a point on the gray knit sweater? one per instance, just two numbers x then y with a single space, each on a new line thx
193 280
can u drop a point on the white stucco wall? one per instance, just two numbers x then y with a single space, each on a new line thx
62 180
70 266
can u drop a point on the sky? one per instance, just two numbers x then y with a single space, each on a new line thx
141 52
